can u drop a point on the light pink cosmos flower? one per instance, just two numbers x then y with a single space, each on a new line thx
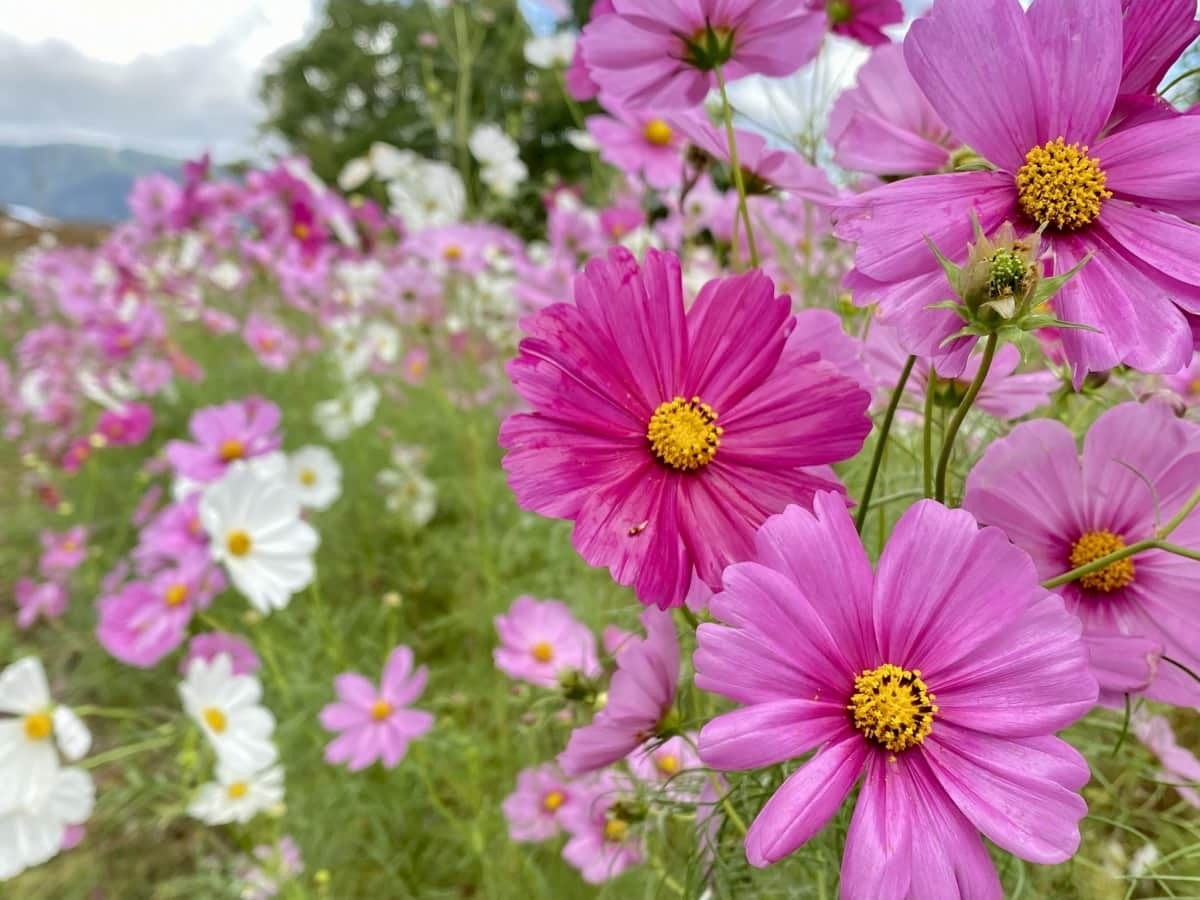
273 344
224 434
603 843
663 53
210 644
939 680
126 427
62 552
668 435
540 641
46 601
1186 382
1180 765
640 699
1139 466
862 20
174 535
642 145
1127 197
376 724
534 809
672 765
139 626
884 125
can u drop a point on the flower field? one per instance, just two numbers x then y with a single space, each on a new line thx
718 509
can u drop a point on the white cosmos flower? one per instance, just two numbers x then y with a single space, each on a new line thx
316 477
31 835
355 173
337 418
551 50
227 709
255 530
429 195
504 178
389 163
35 724
237 797
491 146
409 494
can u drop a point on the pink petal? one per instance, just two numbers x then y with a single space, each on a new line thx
768 733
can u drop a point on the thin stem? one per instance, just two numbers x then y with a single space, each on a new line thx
462 104
734 164
119 753
1177 519
927 441
732 814
960 414
885 430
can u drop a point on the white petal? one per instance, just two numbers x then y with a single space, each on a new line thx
23 687
27 770
72 798
73 737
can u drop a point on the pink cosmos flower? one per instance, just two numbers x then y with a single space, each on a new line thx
376 724
1180 765
1155 34
415 365
672 765
862 20
578 77
46 601
273 344
139 625
602 842
224 434
541 641
126 427
668 435
209 645
63 551
884 125
174 535
939 680
663 53
1012 86
1066 511
534 809
640 699
1186 382
641 145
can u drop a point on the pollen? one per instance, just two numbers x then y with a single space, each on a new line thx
667 764
1093 546
658 133
301 231
231 449
893 707
215 719
308 477
683 434
38 726
380 710
1061 186
1007 274
452 253
616 830
238 542
238 790
542 652
553 800
176 594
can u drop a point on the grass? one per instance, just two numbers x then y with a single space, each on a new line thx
432 827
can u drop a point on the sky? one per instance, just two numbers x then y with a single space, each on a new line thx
166 76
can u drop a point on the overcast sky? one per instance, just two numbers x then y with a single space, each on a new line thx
168 76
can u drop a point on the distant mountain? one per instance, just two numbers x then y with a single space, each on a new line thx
75 183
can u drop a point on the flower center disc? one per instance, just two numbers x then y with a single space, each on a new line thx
683 434
308 477
1093 546
616 830
667 764
176 594
232 449
38 726
238 790
658 133
1062 186
893 707
380 710
553 800
215 719
542 652
838 12
238 542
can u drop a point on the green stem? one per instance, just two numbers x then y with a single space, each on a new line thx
734 164
462 105
881 444
119 753
927 440
732 814
960 414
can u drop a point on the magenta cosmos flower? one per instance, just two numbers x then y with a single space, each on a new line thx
1139 466
376 724
1015 87
540 641
664 53
534 810
862 20
640 699
670 435
224 434
47 600
938 680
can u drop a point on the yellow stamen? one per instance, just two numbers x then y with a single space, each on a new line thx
553 800
38 726
231 449
452 253
1062 186
215 719
238 790
667 764
542 652
616 830
683 434
658 133
380 710
301 231
238 542
176 594
308 477
893 707
1091 547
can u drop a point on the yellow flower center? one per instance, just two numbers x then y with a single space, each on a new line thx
1194 387
667 764
231 449
542 652
380 710
553 800
308 477
893 707
215 719
238 790
839 12
176 594
238 542
683 434
616 830
70 546
38 726
452 253
301 231
658 133
1091 547
1062 186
